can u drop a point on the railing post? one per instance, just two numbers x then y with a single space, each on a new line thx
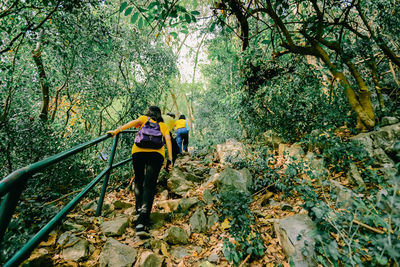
105 183
7 208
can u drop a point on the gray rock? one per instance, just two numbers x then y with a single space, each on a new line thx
176 235
382 159
169 205
198 221
389 120
122 205
206 264
364 139
207 196
316 165
383 138
187 203
212 171
294 151
231 179
77 249
63 239
149 259
116 254
272 139
213 258
157 219
73 227
115 227
230 149
293 233
212 219
343 195
92 205
354 175
178 184
193 177
179 252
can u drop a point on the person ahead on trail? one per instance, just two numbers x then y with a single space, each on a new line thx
148 155
182 133
169 119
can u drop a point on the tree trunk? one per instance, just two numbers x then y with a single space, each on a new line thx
37 58
364 119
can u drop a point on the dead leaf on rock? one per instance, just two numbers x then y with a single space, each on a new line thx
50 241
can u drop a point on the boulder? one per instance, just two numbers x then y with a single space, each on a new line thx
157 219
212 219
122 205
207 196
178 184
272 139
186 203
294 151
293 233
344 196
149 259
75 249
198 221
73 227
176 235
389 120
206 264
381 158
316 165
365 141
116 254
354 175
231 149
116 226
179 253
231 179
182 204
213 258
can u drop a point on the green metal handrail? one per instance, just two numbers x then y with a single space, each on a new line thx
12 186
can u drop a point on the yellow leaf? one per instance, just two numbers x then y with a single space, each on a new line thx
50 241
225 225
164 250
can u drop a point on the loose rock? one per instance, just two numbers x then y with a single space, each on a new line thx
115 227
177 236
116 254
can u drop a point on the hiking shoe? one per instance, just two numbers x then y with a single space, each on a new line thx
142 231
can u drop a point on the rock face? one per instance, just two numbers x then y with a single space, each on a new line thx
198 221
115 227
178 184
380 146
77 248
177 236
293 233
231 179
230 149
116 254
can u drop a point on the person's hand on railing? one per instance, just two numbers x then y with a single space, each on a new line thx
115 132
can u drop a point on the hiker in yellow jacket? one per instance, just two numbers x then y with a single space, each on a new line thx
182 133
147 156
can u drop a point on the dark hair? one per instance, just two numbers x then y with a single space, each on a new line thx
154 113
182 117
171 114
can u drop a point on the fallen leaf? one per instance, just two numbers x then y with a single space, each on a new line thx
164 250
50 241
225 225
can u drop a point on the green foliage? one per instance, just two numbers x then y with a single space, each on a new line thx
235 208
288 97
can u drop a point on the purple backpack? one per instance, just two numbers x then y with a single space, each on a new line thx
149 136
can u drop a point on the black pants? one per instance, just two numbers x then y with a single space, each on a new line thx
175 150
147 166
